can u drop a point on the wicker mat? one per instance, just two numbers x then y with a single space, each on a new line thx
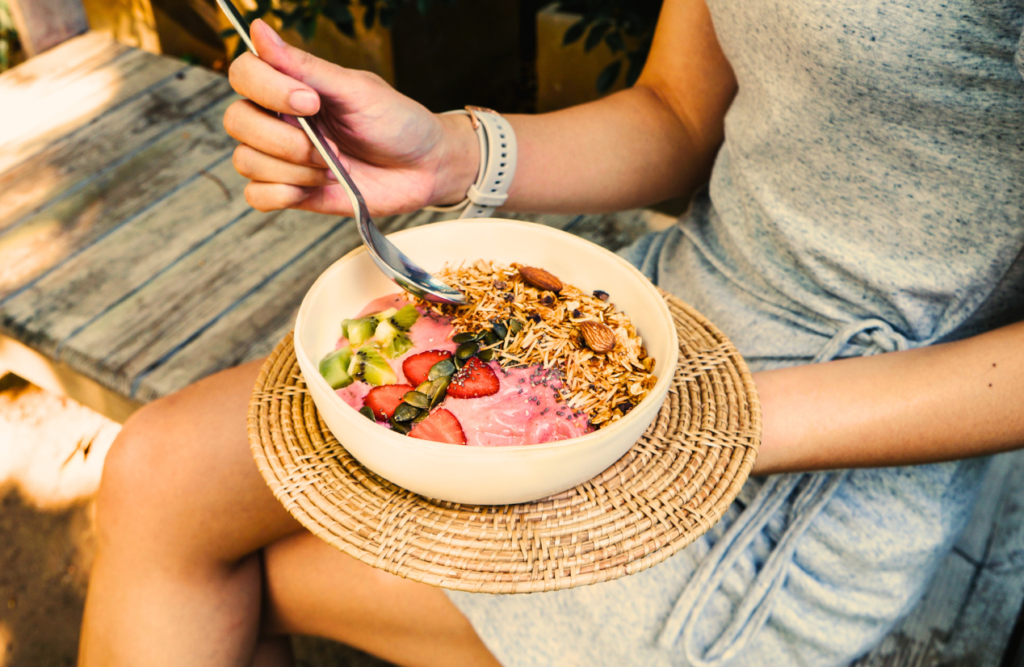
673 485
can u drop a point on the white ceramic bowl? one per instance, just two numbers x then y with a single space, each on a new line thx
483 475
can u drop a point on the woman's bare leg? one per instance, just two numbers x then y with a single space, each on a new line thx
314 589
182 514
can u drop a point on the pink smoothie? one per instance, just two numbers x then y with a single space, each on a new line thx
525 411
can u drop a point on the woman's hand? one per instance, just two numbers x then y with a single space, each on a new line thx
401 155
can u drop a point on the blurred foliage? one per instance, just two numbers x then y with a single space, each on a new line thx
302 15
626 26
9 44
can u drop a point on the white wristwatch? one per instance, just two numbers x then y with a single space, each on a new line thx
497 164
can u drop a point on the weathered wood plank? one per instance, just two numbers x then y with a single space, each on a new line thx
74 159
253 327
255 324
57 378
85 286
42 24
986 622
36 122
79 54
968 612
47 238
175 307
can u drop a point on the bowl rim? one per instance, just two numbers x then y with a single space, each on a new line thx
445 449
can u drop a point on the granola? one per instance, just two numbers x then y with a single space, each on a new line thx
605 385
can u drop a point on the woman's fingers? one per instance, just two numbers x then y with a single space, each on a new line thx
276 196
257 166
301 66
249 124
264 85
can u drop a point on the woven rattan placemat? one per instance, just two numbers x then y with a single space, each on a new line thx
662 494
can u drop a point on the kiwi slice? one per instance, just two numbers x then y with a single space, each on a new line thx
334 368
369 366
359 330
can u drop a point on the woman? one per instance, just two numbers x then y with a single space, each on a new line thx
866 199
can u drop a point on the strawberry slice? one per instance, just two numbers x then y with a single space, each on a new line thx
473 380
417 366
383 400
440 426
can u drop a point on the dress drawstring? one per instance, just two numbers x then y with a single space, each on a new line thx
813 492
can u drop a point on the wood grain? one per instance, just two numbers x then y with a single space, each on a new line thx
43 116
82 54
45 239
138 333
87 285
74 159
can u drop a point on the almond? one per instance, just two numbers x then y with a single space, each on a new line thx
599 337
540 278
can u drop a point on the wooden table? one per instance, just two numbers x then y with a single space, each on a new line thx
131 266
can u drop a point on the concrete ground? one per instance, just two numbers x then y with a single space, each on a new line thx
51 457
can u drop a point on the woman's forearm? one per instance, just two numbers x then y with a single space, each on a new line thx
938 403
648 143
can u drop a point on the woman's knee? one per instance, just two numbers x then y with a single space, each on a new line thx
134 487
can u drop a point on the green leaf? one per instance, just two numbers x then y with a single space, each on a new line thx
594 36
337 11
307 27
615 42
574 32
606 79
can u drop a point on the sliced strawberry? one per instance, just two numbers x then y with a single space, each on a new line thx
440 426
473 380
417 366
383 400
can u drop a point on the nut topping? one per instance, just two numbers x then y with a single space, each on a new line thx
540 278
599 337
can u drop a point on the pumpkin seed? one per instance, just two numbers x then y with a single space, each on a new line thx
443 368
399 427
368 413
487 354
465 337
491 338
417 400
405 412
425 387
466 350
500 330
440 391
515 326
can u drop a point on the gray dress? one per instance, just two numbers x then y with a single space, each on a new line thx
869 197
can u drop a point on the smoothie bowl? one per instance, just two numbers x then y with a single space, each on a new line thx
559 366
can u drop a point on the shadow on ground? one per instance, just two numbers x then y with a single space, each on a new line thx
51 458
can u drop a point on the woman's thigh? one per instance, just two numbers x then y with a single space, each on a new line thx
180 482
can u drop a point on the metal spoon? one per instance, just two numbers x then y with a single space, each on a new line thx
389 259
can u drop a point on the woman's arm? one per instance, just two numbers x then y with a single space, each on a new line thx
642 145
939 403
648 143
